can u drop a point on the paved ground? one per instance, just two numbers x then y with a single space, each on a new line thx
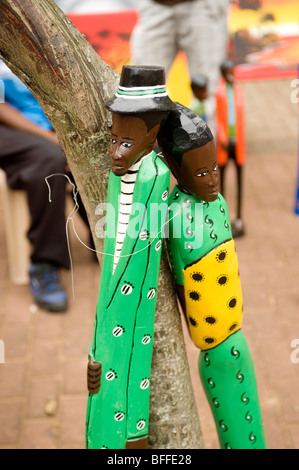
42 383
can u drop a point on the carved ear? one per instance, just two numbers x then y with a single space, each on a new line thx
174 168
153 133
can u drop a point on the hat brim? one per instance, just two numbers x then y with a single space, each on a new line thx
141 105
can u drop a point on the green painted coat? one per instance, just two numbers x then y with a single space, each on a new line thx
124 326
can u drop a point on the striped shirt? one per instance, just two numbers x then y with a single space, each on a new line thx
125 207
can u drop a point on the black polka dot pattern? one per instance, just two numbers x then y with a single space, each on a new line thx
211 320
210 340
213 296
233 327
232 302
194 295
222 280
220 257
193 321
197 277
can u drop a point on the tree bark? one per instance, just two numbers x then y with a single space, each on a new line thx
71 82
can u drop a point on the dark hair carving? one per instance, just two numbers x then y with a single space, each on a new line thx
183 131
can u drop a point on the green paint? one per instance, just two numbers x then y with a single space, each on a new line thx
228 377
195 228
119 411
141 92
226 371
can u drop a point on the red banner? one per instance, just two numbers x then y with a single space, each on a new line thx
265 38
109 34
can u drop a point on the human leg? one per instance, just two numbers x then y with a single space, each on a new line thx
222 169
153 41
206 46
27 160
237 226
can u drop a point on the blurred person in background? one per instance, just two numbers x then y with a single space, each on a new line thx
197 27
29 153
200 90
230 130
94 6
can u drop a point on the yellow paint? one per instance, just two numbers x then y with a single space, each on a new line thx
284 12
213 294
178 81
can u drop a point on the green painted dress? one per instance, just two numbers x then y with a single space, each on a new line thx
124 326
203 259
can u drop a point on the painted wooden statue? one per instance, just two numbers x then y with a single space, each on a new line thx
121 349
205 268
230 130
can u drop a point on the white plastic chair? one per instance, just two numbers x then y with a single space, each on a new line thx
16 224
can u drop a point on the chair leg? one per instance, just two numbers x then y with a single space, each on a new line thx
16 223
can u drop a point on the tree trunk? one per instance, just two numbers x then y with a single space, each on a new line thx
70 81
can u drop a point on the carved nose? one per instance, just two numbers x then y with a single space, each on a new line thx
211 182
116 153
213 179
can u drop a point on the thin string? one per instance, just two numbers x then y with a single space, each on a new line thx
70 218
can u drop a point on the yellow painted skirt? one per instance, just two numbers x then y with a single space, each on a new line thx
214 302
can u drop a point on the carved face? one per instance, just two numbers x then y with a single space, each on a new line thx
199 173
129 142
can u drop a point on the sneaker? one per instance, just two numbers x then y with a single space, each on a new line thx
46 287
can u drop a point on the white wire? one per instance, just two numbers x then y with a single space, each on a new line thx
70 218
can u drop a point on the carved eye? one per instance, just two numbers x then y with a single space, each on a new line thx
127 145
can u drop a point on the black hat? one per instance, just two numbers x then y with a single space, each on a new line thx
141 89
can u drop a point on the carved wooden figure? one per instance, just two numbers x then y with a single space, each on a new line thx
205 269
121 348
230 131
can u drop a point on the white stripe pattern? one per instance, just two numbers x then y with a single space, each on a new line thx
138 88
141 97
125 207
